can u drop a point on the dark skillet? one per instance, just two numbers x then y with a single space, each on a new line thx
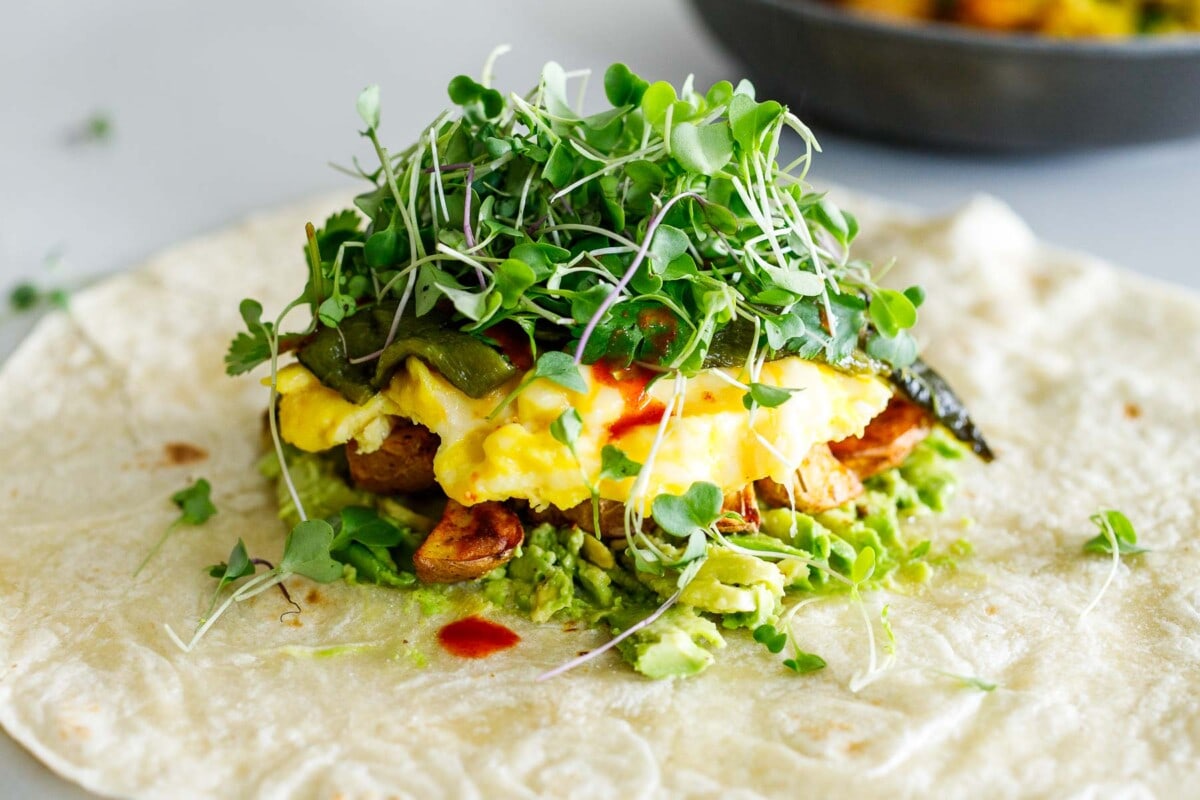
941 84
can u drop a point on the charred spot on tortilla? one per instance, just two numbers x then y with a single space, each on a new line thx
181 453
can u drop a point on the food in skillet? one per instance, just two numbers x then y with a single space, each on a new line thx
1051 17
618 368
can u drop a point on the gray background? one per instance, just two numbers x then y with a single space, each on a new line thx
226 106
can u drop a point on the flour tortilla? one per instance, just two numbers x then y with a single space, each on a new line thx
1085 379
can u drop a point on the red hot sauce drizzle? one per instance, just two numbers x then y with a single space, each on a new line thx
475 637
640 408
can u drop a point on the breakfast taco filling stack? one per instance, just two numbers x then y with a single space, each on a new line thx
620 368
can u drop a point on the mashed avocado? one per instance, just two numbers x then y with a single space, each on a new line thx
565 574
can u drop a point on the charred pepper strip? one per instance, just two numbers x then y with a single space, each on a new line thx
931 392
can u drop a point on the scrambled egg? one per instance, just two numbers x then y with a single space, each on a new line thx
712 438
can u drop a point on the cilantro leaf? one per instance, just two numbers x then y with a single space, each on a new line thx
253 347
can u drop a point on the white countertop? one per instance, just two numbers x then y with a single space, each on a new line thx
223 107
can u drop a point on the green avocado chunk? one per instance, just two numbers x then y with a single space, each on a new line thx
743 589
673 646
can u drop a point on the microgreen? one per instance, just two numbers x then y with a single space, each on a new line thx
553 365
864 566
1116 537
1114 526
237 566
696 509
306 552
96 128
770 638
653 231
972 682
566 428
195 508
803 663
368 106
365 526
615 465
777 637
766 396
892 311
23 297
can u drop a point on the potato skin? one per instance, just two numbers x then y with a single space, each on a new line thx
468 543
886 442
404 463
821 483
744 503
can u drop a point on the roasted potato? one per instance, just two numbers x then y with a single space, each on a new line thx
612 517
745 503
404 463
822 482
886 442
468 542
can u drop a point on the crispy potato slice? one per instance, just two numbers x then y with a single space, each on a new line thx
822 482
404 463
468 542
886 442
745 503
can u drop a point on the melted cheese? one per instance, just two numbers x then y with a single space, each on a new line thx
515 456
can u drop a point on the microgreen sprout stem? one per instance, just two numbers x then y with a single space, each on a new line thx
613 642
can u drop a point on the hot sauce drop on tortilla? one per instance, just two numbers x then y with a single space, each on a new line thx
475 637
